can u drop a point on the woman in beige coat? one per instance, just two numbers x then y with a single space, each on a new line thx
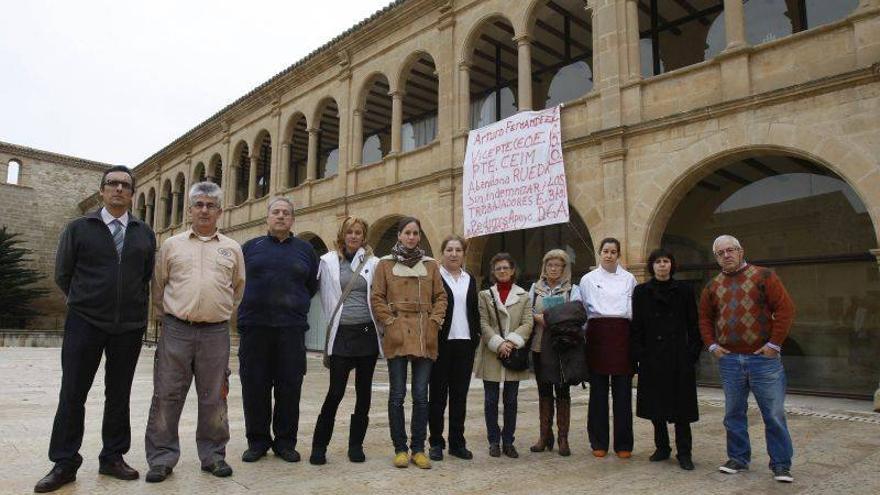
409 300
506 323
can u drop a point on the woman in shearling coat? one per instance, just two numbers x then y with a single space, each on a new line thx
409 300
506 323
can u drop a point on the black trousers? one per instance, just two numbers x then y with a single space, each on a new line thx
81 353
683 441
340 368
450 380
271 359
597 417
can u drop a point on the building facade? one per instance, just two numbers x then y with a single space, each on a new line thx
40 192
681 120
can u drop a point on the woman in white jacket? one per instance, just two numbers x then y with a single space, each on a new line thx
353 342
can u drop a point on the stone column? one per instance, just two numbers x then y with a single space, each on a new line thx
396 120
734 27
175 201
464 96
634 59
284 166
312 162
148 217
252 177
866 27
876 253
524 72
596 67
357 137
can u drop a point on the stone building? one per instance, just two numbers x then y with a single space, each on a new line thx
40 192
682 119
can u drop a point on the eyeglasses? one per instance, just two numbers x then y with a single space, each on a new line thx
721 252
198 205
118 183
502 269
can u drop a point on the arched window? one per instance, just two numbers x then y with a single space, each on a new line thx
677 34
493 73
562 53
328 139
264 166
13 172
767 20
420 104
376 120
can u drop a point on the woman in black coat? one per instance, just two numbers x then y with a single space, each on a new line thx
666 344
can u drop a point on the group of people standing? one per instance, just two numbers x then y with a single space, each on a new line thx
425 317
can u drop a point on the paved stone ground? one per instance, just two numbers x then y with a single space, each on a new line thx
837 446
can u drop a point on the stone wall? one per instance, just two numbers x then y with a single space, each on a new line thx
50 188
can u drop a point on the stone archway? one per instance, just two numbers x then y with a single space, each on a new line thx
803 219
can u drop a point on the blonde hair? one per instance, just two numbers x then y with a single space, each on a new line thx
557 254
348 223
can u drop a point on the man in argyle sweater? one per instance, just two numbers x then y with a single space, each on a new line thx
745 316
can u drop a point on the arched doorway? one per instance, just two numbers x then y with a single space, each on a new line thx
804 221
528 247
383 235
318 327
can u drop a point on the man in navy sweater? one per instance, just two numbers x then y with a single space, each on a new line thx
281 273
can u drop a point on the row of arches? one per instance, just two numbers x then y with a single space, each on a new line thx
540 59
791 212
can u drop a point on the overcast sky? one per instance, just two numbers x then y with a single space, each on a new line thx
115 81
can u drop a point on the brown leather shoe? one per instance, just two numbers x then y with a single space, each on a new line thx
624 454
57 477
599 453
119 470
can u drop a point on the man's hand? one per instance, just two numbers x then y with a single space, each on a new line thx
720 352
767 351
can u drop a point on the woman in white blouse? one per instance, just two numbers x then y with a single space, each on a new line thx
457 342
607 296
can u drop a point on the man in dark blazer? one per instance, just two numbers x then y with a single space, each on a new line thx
103 265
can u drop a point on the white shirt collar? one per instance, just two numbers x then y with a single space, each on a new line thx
107 217
449 277
606 272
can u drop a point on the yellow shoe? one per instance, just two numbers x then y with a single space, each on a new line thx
421 460
401 459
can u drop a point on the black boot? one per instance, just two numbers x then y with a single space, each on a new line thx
357 432
320 440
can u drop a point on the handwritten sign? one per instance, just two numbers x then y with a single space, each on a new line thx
514 177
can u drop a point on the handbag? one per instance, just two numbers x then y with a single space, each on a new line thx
326 359
518 359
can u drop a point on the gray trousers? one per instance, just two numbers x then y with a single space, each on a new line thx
185 352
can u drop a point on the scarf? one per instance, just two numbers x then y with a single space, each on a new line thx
406 256
504 290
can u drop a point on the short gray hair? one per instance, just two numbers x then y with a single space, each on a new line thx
725 238
209 189
282 199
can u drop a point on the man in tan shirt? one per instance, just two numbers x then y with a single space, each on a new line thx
198 282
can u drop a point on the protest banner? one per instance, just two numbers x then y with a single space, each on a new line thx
514 176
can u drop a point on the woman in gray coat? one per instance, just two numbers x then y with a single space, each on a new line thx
506 324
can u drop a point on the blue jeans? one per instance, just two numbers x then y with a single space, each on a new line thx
765 377
490 408
421 370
